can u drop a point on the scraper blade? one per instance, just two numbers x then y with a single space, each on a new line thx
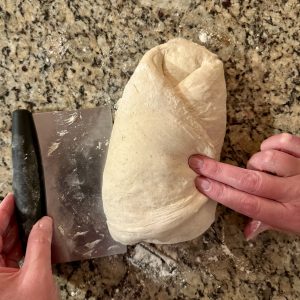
73 146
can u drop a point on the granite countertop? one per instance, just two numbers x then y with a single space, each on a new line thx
74 54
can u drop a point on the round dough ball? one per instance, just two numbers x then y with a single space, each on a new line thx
173 106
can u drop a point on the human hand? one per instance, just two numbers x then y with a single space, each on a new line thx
268 191
34 279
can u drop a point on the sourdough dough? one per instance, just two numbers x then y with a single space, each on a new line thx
173 106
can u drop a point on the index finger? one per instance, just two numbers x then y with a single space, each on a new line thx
249 181
7 207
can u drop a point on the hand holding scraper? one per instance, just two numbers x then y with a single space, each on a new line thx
58 160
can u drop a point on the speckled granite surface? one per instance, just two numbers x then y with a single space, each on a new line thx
71 54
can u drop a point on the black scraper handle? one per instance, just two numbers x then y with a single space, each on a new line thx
27 173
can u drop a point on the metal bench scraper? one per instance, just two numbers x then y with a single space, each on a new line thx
58 161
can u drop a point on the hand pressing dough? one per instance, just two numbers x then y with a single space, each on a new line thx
173 106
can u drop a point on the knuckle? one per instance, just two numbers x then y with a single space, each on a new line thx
41 240
285 138
214 168
290 218
219 191
290 191
250 206
251 181
252 162
269 156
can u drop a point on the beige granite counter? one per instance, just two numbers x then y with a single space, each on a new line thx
71 54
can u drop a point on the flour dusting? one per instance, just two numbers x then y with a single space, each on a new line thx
72 118
204 36
239 263
88 253
227 251
62 132
93 244
53 148
99 145
152 262
61 230
77 234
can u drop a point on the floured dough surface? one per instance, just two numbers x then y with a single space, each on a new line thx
173 106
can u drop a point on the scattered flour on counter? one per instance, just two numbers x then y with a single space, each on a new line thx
204 37
152 262
74 293
213 258
239 263
227 251
224 247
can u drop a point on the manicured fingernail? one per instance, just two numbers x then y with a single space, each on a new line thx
45 223
254 228
196 162
203 183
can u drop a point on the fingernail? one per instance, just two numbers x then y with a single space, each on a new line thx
45 223
251 231
9 195
196 162
254 228
203 183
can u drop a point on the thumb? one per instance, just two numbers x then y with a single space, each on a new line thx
38 251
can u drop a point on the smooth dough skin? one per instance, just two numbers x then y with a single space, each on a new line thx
173 106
